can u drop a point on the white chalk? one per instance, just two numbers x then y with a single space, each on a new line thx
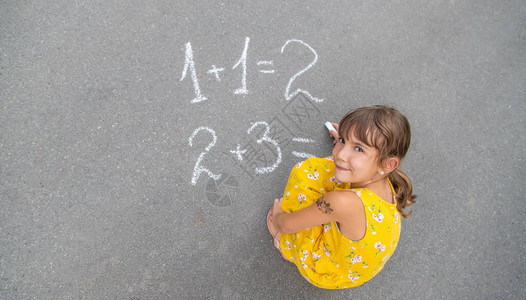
330 127
302 154
243 61
303 140
289 95
189 64
198 169
266 138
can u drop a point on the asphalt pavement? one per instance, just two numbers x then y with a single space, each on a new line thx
142 142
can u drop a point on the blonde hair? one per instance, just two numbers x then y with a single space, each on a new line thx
388 131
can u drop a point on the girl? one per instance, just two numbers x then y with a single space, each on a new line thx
339 218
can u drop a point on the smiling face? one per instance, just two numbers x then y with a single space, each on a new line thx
355 162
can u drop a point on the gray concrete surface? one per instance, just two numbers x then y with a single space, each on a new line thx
96 198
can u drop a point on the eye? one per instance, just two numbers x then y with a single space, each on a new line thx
341 140
358 149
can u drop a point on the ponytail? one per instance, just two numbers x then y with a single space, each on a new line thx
404 191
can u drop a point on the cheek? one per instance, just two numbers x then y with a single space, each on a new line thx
336 149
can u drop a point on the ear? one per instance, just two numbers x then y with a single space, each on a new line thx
391 164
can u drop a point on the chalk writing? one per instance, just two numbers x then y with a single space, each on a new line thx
198 169
254 156
215 71
266 138
262 153
302 140
266 63
301 154
238 152
288 95
250 152
243 61
189 65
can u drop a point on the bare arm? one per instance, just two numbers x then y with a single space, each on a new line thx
333 206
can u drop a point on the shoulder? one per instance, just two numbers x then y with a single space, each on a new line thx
314 160
312 164
345 203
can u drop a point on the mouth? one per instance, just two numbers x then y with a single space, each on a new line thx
341 169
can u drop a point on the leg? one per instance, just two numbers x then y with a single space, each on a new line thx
274 233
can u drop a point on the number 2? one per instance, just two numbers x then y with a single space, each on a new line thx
288 95
198 169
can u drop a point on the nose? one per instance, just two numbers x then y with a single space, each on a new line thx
343 155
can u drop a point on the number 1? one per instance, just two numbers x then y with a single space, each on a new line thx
190 64
243 60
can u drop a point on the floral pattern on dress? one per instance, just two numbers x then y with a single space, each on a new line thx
378 218
302 197
379 246
322 254
313 176
356 259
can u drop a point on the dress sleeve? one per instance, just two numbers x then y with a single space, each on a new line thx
306 183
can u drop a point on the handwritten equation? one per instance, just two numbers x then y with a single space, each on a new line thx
264 151
266 65
262 154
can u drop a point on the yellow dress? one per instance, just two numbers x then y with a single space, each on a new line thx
322 254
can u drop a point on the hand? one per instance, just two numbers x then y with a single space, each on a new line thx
334 134
276 209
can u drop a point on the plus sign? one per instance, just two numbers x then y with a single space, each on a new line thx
238 152
215 71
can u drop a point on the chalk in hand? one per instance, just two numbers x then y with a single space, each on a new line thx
330 127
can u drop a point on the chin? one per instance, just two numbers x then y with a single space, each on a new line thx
341 178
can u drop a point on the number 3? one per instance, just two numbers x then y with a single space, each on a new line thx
265 138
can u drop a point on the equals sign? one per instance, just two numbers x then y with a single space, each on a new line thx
266 63
302 154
